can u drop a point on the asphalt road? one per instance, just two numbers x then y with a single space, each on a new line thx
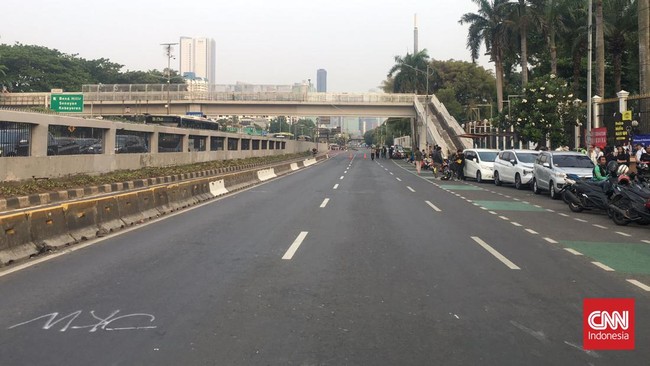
348 262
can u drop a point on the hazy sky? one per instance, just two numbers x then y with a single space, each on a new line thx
258 41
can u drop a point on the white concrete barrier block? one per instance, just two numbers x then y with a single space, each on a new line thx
294 166
266 174
217 188
309 162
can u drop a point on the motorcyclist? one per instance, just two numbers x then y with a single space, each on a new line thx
600 172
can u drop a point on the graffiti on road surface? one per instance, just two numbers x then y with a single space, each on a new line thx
111 322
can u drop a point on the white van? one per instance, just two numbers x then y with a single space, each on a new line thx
479 164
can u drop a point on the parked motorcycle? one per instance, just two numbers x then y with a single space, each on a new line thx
630 203
583 195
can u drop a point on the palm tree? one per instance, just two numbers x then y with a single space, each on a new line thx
549 17
620 25
489 26
574 41
520 19
408 75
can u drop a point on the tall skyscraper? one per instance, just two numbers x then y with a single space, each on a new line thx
198 58
321 81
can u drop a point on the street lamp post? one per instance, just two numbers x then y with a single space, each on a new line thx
168 52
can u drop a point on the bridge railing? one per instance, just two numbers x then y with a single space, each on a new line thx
161 92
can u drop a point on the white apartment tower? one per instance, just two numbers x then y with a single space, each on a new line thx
198 58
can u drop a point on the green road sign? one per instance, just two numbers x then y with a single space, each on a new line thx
67 103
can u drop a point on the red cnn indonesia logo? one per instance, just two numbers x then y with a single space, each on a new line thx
608 324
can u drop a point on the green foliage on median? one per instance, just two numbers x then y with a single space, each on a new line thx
12 189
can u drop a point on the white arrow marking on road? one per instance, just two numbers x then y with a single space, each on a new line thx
324 202
495 253
434 207
296 244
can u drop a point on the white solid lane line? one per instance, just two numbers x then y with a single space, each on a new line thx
336 186
573 251
296 244
410 189
640 284
434 207
606 268
495 253
324 202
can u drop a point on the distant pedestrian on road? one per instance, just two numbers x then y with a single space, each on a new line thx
418 160
437 159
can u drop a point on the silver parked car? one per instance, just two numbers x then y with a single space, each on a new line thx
514 166
551 168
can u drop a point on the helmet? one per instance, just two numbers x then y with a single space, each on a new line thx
612 166
622 169
623 179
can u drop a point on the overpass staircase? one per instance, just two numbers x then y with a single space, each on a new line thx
440 127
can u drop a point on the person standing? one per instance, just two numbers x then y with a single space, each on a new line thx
437 160
622 157
639 152
418 160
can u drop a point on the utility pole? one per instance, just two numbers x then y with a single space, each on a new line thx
168 53
589 62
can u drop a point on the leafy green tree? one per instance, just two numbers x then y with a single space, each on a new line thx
279 124
546 111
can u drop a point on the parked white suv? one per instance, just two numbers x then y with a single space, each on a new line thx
479 163
551 168
514 166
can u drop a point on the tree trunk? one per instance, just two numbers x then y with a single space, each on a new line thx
644 61
523 35
616 63
600 50
498 65
553 51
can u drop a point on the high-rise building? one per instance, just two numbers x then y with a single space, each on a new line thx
321 81
198 58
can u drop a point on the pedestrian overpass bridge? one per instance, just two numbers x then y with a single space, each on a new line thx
430 121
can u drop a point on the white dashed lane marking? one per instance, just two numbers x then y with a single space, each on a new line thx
573 251
606 268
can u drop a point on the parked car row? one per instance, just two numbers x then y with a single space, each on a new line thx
541 170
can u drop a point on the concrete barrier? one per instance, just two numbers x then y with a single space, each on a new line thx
48 228
129 207
31 232
147 204
218 188
266 174
81 219
161 199
15 240
108 216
